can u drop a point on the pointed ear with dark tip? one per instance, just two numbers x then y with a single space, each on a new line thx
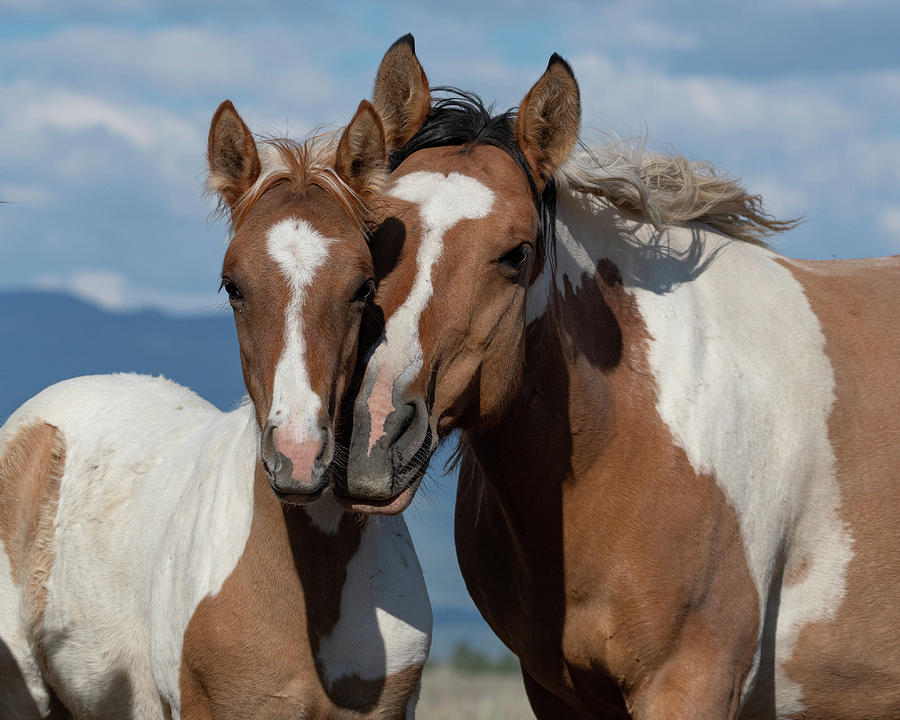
401 95
361 159
549 119
233 160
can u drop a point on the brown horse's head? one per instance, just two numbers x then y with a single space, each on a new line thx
461 239
298 273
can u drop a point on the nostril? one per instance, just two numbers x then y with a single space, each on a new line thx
409 417
270 456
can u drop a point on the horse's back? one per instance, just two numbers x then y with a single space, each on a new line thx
89 492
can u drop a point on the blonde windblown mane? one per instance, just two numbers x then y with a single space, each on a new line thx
668 189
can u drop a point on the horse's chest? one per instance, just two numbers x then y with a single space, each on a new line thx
526 607
519 587
293 629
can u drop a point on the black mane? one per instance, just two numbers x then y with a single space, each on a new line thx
461 118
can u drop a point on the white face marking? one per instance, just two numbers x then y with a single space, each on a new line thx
443 201
299 251
382 629
746 390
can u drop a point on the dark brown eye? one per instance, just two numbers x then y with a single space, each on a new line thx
234 293
511 263
366 292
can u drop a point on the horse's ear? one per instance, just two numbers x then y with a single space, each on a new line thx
401 95
549 119
233 160
361 159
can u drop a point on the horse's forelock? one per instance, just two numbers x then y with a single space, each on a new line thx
303 165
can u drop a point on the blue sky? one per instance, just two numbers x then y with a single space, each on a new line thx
105 105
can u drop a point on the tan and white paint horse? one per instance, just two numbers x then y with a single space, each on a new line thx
680 460
147 569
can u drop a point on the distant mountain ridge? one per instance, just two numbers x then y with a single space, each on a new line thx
46 337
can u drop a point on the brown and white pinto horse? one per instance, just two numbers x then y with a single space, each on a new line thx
147 570
680 458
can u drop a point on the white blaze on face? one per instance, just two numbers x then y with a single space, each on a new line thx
299 251
443 200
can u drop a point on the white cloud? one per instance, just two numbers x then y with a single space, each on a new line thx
780 199
790 112
889 222
33 110
103 288
112 291
179 61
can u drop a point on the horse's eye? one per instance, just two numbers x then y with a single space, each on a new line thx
366 292
511 263
234 293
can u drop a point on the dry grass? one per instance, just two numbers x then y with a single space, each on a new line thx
448 694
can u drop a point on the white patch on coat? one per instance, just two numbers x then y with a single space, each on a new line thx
443 200
745 388
300 250
385 621
155 507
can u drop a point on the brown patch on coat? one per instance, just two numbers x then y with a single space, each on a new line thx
30 471
849 666
618 575
31 468
251 651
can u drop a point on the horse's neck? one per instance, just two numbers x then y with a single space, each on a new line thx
588 381
592 236
654 357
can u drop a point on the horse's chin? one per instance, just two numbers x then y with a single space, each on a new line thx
390 506
299 498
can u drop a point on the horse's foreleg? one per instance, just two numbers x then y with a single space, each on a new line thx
696 689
